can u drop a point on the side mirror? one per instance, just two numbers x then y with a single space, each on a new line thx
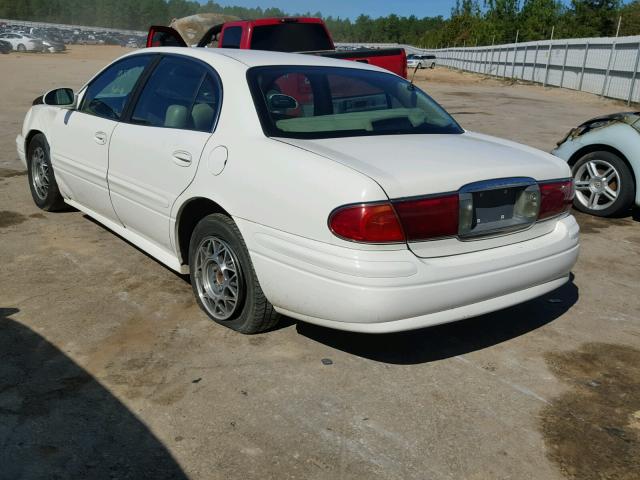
60 97
279 101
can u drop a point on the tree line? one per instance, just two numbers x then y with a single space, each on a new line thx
471 22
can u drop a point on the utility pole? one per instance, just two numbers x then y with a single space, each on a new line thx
612 54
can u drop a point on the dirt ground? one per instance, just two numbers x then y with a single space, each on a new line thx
109 370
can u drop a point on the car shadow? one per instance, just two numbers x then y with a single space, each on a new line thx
452 339
58 422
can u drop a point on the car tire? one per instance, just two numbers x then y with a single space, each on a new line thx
220 263
42 180
21 48
604 184
433 65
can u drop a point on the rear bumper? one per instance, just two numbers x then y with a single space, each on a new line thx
392 290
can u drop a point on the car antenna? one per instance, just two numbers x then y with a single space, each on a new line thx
413 75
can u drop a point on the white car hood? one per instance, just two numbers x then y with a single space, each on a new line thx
409 165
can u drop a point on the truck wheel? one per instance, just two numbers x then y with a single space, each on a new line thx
223 279
604 184
42 180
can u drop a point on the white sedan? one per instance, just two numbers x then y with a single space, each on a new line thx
22 43
332 192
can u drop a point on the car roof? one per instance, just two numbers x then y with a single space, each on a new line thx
258 58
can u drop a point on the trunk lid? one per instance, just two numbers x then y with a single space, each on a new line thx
419 165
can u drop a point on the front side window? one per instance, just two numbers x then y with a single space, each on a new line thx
180 93
108 93
326 102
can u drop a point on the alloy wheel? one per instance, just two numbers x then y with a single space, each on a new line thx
40 172
218 278
597 184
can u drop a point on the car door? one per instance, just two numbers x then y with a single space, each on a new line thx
154 156
80 138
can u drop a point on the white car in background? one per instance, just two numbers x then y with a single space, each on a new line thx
22 43
421 61
604 156
335 193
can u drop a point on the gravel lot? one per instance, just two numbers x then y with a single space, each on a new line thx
109 370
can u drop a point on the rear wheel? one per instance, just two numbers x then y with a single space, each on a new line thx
433 65
42 180
604 184
223 279
21 48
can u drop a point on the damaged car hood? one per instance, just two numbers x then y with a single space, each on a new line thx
629 118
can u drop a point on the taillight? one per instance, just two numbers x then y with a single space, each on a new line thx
555 198
452 214
430 217
404 220
367 222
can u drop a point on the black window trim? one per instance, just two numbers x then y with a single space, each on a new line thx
101 72
144 78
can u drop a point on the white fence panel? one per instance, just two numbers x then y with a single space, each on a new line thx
602 66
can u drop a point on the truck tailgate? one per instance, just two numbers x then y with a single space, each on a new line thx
392 59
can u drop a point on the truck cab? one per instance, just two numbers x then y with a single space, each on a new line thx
288 34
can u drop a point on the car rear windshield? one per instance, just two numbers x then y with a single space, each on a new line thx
327 102
291 37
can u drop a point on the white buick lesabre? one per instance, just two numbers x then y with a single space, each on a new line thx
332 192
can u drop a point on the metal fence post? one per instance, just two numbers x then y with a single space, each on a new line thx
606 75
524 61
564 64
493 51
515 54
633 78
535 63
493 41
486 60
584 64
506 60
546 70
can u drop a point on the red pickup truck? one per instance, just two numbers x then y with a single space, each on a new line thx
297 34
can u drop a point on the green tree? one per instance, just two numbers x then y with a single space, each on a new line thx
593 18
537 17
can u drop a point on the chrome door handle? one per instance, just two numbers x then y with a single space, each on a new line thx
182 158
100 138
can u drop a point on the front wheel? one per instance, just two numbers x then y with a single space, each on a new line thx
604 184
42 180
21 48
223 278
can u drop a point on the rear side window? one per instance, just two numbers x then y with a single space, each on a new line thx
180 93
109 92
231 37
291 37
